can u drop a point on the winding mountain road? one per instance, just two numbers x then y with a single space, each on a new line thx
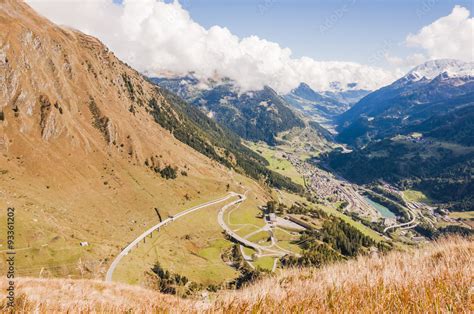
406 225
126 250
236 237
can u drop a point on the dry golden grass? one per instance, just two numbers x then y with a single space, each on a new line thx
85 296
437 278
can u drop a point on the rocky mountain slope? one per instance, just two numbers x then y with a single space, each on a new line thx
84 144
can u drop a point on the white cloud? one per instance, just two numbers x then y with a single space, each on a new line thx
448 37
408 62
161 38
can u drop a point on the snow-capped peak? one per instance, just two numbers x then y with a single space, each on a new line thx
431 69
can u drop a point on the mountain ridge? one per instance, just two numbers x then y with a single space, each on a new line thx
254 115
431 69
409 100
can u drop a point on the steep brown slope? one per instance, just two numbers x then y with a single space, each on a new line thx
64 89
434 279
76 146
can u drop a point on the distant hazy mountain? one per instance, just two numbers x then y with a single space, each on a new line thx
255 115
417 132
323 106
348 97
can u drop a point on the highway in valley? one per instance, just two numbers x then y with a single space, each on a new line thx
411 211
134 243
406 225
327 183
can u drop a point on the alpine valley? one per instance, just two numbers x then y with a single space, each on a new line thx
126 192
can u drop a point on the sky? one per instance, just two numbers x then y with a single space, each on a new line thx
275 42
345 30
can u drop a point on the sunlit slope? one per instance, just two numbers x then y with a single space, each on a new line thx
82 140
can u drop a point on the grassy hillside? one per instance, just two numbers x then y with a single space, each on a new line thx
192 246
276 161
83 141
436 278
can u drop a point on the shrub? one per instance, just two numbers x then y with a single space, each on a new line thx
167 172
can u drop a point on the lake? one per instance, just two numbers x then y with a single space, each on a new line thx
384 211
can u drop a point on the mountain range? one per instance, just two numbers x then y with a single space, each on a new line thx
430 91
424 118
324 106
254 115
417 132
102 164
261 114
